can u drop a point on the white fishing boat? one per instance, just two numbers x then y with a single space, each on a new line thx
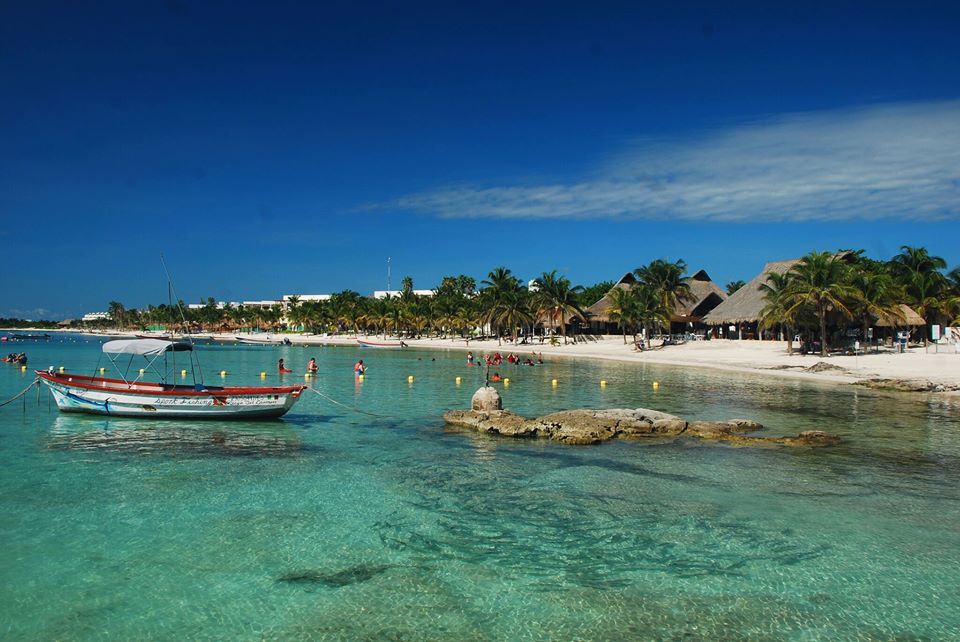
139 398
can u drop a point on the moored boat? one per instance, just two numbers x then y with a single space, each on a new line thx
263 339
137 398
375 344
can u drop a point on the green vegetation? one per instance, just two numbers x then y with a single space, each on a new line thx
821 291
825 289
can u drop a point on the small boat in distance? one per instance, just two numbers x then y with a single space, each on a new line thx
374 344
263 339
137 398
30 337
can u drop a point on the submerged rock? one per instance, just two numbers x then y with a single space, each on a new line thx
904 385
584 427
352 575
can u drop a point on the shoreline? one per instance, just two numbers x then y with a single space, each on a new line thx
767 358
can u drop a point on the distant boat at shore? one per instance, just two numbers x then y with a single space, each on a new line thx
263 339
374 344
29 337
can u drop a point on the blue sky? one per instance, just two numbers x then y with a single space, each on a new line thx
269 148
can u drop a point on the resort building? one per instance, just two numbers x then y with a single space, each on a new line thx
687 316
305 298
96 316
738 317
383 294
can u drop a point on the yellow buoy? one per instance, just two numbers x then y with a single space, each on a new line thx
359 377
141 370
458 381
23 368
506 380
656 384
603 383
410 378
263 374
223 373
183 373
102 370
61 368
553 383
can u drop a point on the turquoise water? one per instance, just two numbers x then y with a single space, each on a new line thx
332 524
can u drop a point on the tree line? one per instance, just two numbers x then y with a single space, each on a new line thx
821 289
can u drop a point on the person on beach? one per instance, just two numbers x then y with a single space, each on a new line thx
359 368
312 365
282 369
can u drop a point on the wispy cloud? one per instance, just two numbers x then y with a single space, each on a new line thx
884 162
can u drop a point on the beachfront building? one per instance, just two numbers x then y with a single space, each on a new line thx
393 294
687 316
96 316
738 317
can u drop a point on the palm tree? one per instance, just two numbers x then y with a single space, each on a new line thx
117 312
775 292
733 286
920 274
666 280
499 297
880 297
821 281
557 300
625 309
652 309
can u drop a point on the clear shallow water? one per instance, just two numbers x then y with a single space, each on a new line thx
332 524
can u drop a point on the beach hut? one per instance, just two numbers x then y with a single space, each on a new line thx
738 315
706 295
887 325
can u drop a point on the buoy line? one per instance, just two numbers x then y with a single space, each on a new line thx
22 392
343 405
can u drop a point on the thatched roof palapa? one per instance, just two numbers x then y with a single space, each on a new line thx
706 294
745 305
910 319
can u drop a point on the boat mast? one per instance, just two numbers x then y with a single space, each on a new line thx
388 276
194 362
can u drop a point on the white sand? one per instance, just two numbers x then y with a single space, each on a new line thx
765 357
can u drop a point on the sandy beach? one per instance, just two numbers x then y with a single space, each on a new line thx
769 358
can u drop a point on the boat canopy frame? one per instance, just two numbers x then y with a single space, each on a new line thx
151 350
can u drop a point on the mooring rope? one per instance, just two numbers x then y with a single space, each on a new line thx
22 392
343 405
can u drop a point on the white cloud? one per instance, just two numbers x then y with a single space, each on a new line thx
884 162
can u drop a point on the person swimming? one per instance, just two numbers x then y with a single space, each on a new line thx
312 365
282 369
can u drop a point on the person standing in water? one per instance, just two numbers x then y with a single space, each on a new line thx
359 368
282 369
312 366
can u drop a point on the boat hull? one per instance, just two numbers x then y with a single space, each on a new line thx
218 403
374 344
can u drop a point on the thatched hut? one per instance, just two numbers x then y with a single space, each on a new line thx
741 310
706 295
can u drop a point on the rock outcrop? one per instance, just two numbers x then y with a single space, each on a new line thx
579 427
903 385
486 398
